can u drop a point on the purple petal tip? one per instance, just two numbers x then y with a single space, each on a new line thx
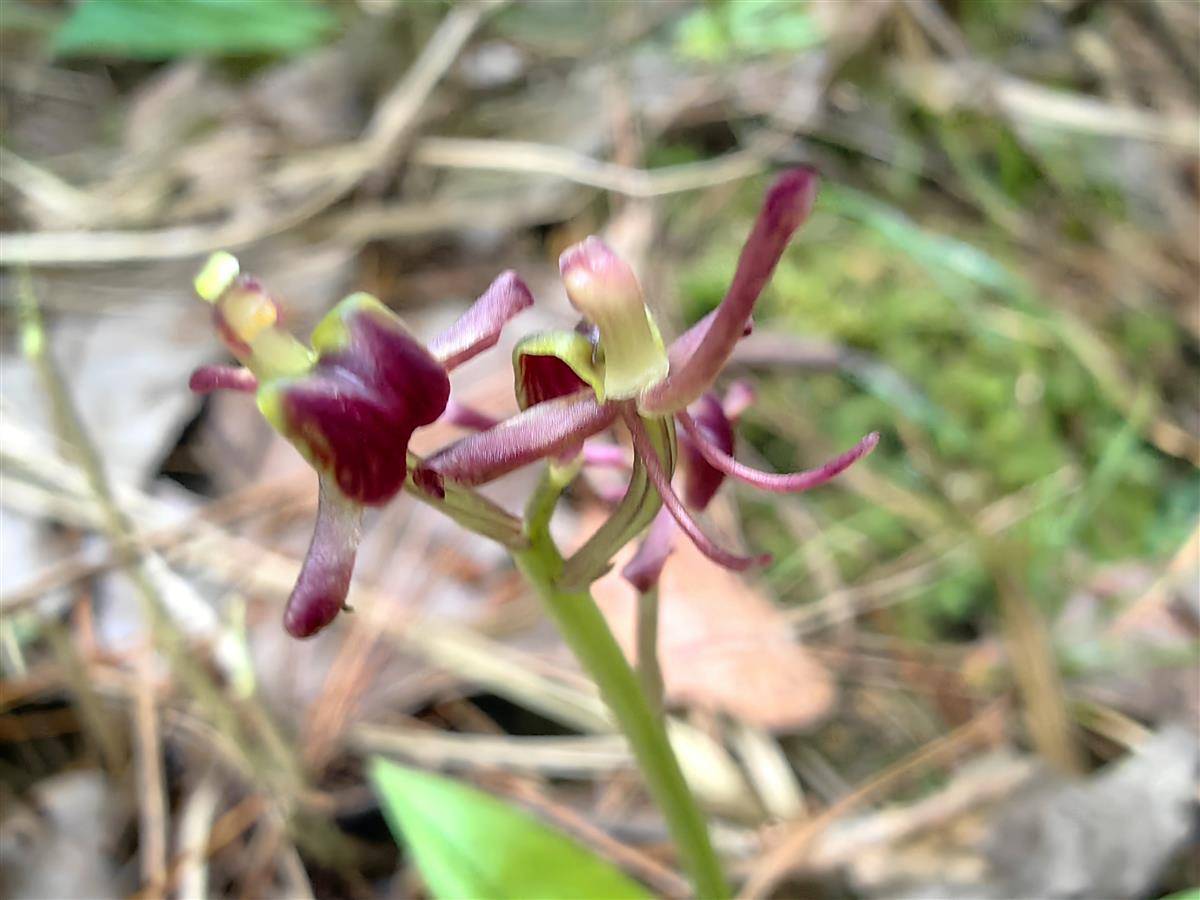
207 379
320 591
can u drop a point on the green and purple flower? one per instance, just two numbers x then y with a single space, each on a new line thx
351 401
349 404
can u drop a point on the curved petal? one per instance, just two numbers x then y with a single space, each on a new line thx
662 483
785 207
320 591
790 483
207 379
644 569
684 346
546 429
479 327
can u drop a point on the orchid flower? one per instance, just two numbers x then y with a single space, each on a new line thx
573 385
349 403
351 399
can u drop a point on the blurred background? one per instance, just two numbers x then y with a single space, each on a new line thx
971 669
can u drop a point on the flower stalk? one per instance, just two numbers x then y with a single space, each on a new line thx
584 629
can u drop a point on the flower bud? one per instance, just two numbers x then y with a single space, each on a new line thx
604 289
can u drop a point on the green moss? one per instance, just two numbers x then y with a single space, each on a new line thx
1005 410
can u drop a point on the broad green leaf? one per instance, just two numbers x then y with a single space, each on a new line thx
469 844
164 29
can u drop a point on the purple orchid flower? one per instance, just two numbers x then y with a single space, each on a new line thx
573 385
349 404
351 401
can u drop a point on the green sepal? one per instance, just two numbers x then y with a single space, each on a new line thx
637 508
470 509
571 348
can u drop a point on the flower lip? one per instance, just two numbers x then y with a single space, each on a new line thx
353 414
554 364
543 378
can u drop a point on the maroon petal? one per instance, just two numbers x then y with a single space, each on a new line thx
644 569
701 480
354 413
546 429
790 483
662 484
207 379
320 591
542 378
479 327
787 204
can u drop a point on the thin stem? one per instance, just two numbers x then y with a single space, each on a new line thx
585 631
648 671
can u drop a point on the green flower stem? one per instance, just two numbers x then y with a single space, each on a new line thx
649 673
585 631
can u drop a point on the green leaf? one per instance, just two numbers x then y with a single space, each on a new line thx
164 29
469 844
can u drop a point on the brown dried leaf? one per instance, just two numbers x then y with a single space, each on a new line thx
723 646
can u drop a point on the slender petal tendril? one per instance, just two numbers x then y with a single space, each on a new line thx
678 511
790 483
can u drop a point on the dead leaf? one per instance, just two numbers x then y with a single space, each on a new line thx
723 646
